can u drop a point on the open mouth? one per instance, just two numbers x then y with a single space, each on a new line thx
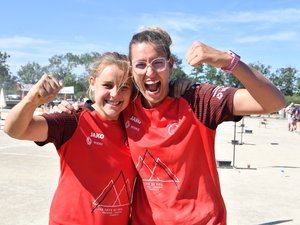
153 87
113 103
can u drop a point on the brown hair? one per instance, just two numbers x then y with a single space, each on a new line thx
155 35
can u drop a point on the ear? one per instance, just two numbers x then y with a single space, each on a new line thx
171 62
92 81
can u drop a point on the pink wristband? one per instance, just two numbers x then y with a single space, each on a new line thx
235 60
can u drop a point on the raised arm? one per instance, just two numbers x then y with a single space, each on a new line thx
260 95
21 122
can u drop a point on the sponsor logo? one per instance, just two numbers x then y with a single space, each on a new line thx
97 135
172 128
89 141
95 138
135 119
129 125
219 92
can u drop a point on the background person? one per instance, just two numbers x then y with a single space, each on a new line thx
291 118
97 174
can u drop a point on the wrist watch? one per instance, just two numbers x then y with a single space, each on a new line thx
234 61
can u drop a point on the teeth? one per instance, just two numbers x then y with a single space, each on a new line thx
152 82
152 86
113 102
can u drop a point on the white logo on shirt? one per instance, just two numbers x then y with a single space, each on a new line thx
89 141
172 128
155 172
219 92
135 119
97 135
129 125
95 138
114 197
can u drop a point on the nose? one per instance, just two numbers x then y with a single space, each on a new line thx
149 70
114 92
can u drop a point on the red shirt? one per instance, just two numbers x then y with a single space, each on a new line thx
97 173
172 147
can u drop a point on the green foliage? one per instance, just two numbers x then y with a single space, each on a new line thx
264 69
293 98
286 78
31 73
297 85
177 72
7 81
74 70
206 74
70 69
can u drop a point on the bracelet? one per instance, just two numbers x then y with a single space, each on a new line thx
234 61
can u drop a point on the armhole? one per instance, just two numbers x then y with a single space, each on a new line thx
212 104
61 127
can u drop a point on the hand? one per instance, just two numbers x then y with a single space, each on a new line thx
45 90
200 53
66 106
181 85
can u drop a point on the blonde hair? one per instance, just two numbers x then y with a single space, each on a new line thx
107 59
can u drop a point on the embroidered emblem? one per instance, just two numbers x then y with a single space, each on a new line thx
172 128
88 140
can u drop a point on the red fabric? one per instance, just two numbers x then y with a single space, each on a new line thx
97 173
174 154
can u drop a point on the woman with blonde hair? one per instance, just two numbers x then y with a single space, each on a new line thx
96 171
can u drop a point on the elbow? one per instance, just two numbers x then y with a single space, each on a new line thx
282 104
6 130
11 132
278 104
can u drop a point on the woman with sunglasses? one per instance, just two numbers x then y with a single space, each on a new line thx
172 140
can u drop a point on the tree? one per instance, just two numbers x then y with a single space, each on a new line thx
61 67
213 75
31 73
206 74
87 59
7 81
82 82
265 70
177 71
197 74
284 79
298 86
73 70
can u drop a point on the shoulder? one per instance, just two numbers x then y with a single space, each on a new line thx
207 93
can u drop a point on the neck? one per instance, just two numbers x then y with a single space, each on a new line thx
149 105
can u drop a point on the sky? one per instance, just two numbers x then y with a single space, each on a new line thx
264 31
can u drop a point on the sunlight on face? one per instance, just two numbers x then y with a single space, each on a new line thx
112 92
153 85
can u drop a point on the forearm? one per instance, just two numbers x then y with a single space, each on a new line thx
263 91
260 96
21 122
19 118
